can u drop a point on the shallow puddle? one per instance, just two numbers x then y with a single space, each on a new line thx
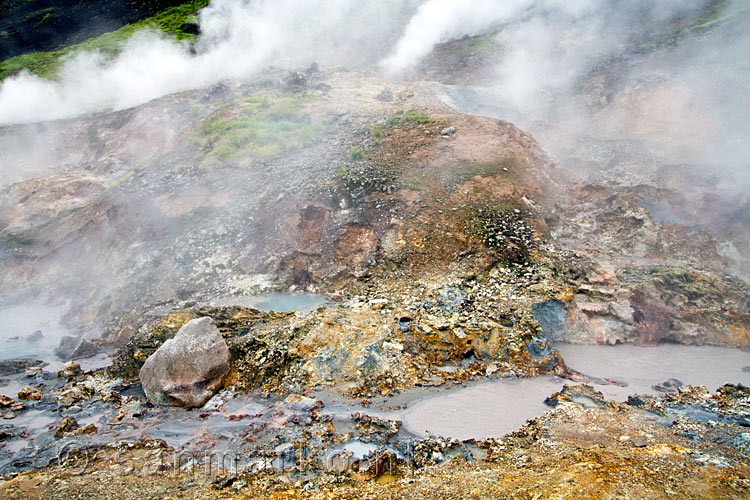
491 409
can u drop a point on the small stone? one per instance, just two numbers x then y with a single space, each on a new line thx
385 96
13 366
68 424
28 393
448 130
671 385
34 371
393 346
69 370
8 402
86 429
639 441
303 403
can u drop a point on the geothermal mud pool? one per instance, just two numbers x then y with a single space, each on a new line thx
236 423
491 409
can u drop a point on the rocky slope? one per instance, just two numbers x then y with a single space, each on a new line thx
452 246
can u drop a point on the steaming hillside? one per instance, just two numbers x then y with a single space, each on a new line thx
464 184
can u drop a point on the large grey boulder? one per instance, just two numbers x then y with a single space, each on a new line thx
187 369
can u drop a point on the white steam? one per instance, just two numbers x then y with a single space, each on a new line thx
440 20
238 39
547 46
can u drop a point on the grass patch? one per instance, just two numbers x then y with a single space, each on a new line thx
260 126
376 132
47 64
407 117
356 153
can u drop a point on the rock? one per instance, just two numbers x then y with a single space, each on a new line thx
75 347
13 366
34 371
539 347
189 368
551 316
295 81
68 424
215 92
73 395
403 323
29 393
640 441
35 337
584 395
448 130
303 403
69 370
667 386
385 96
66 346
8 402
393 346
742 442
746 369
86 429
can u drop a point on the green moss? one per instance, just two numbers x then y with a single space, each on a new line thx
260 126
47 64
410 116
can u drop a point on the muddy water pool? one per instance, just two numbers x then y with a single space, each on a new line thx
491 409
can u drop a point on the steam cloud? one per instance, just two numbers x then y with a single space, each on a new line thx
239 38
547 47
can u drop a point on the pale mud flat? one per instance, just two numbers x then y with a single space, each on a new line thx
492 409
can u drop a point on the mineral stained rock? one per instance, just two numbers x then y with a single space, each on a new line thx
29 393
189 368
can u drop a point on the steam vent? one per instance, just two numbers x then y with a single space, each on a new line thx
422 249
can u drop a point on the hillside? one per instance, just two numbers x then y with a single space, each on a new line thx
453 226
